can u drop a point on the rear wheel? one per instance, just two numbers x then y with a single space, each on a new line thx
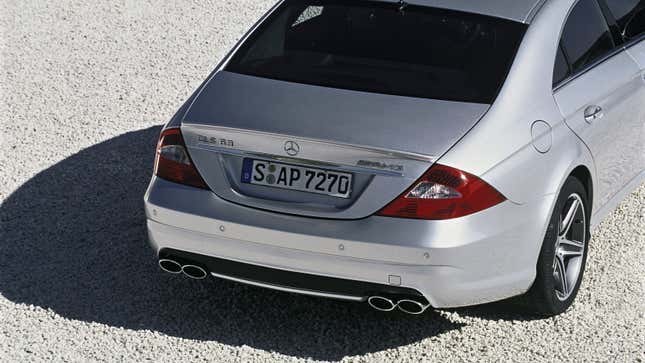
564 252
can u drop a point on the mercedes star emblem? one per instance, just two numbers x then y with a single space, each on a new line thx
291 148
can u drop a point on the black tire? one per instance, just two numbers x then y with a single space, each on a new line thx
544 298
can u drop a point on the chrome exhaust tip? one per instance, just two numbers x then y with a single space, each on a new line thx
194 272
170 266
412 307
381 303
407 306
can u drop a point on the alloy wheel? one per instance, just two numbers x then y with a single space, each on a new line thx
569 247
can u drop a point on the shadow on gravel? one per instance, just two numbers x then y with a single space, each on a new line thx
510 309
73 240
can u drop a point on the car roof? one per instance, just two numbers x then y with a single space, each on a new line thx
517 10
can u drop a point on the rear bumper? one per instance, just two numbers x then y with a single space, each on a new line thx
476 259
278 279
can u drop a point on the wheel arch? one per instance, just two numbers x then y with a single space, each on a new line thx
582 173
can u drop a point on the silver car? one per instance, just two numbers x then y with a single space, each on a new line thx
411 155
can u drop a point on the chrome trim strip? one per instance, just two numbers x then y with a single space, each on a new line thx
384 152
290 289
313 163
358 158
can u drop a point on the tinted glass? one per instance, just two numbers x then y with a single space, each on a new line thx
561 70
586 35
629 15
378 46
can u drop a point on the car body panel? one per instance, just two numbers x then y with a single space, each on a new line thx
512 166
510 163
240 116
379 175
637 51
616 139
327 114
468 261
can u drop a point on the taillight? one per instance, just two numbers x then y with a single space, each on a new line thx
173 162
444 193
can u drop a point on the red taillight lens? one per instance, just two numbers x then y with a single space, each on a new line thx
173 162
444 193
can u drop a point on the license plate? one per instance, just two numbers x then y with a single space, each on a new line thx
295 177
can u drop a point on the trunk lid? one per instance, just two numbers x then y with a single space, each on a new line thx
386 142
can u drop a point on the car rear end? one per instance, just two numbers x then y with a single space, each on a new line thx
310 161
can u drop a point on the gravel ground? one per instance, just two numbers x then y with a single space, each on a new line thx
84 87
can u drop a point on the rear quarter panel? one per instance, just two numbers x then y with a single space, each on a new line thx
500 148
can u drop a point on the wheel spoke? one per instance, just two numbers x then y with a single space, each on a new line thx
569 217
570 248
572 244
561 274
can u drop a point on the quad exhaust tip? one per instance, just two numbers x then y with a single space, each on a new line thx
408 306
194 272
170 266
174 267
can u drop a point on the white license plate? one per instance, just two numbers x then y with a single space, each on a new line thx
295 177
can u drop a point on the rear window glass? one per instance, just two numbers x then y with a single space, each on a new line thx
383 47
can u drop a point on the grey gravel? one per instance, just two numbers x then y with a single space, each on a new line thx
84 87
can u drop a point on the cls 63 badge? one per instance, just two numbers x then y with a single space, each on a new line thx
215 141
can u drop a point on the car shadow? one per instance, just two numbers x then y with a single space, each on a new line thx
73 240
513 309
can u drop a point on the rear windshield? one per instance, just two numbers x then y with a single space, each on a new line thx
383 47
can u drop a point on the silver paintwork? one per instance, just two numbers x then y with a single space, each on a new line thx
470 260
609 121
290 289
327 114
637 51
449 262
330 125
512 165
